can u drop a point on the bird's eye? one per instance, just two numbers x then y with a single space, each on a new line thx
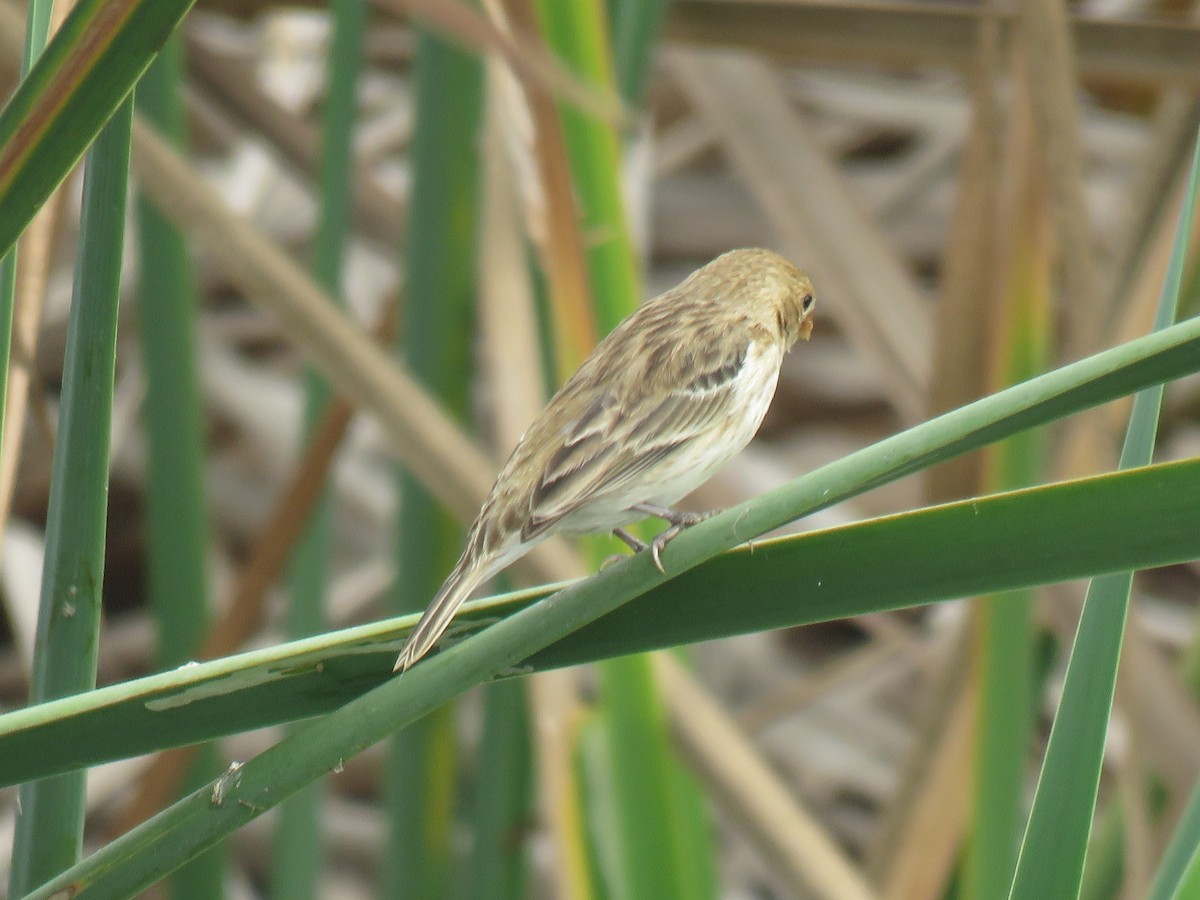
807 302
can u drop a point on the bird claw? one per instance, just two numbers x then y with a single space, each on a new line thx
665 537
656 548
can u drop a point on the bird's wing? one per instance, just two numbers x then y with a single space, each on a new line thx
609 446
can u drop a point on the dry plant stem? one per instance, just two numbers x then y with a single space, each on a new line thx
33 264
969 261
527 55
1132 786
507 317
912 832
555 718
377 213
1022 224
1093 437
1162 709
819 223
511 353
32 268
678 144
557 233
890 629
798 847
422 436
1154 51
918 844
926 35
1159 175
827 679
923 828
930 845
426 441
1049 66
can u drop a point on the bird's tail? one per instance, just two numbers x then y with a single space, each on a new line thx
465 577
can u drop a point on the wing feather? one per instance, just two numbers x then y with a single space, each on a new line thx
607 449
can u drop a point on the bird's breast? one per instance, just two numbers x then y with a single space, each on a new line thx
693 465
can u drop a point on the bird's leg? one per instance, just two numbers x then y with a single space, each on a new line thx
636 544
679 521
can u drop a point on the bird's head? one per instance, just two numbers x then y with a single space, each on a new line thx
770 288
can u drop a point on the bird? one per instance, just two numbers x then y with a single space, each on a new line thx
673 393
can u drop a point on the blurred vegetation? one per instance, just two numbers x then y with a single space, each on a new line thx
980 197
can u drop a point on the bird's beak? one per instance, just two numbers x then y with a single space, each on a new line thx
806 329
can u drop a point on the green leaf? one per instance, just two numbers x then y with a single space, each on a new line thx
504 795
1177 870
439 302
89 67
1162 524
1055 845
1004 633
636 25
310 677
37 29
999 543
177 535
648 839
1011 549
49 833
173 415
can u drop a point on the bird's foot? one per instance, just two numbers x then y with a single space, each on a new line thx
679 518
679 522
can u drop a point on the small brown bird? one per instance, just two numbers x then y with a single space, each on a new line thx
662 403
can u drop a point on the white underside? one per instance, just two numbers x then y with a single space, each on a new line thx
692 466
